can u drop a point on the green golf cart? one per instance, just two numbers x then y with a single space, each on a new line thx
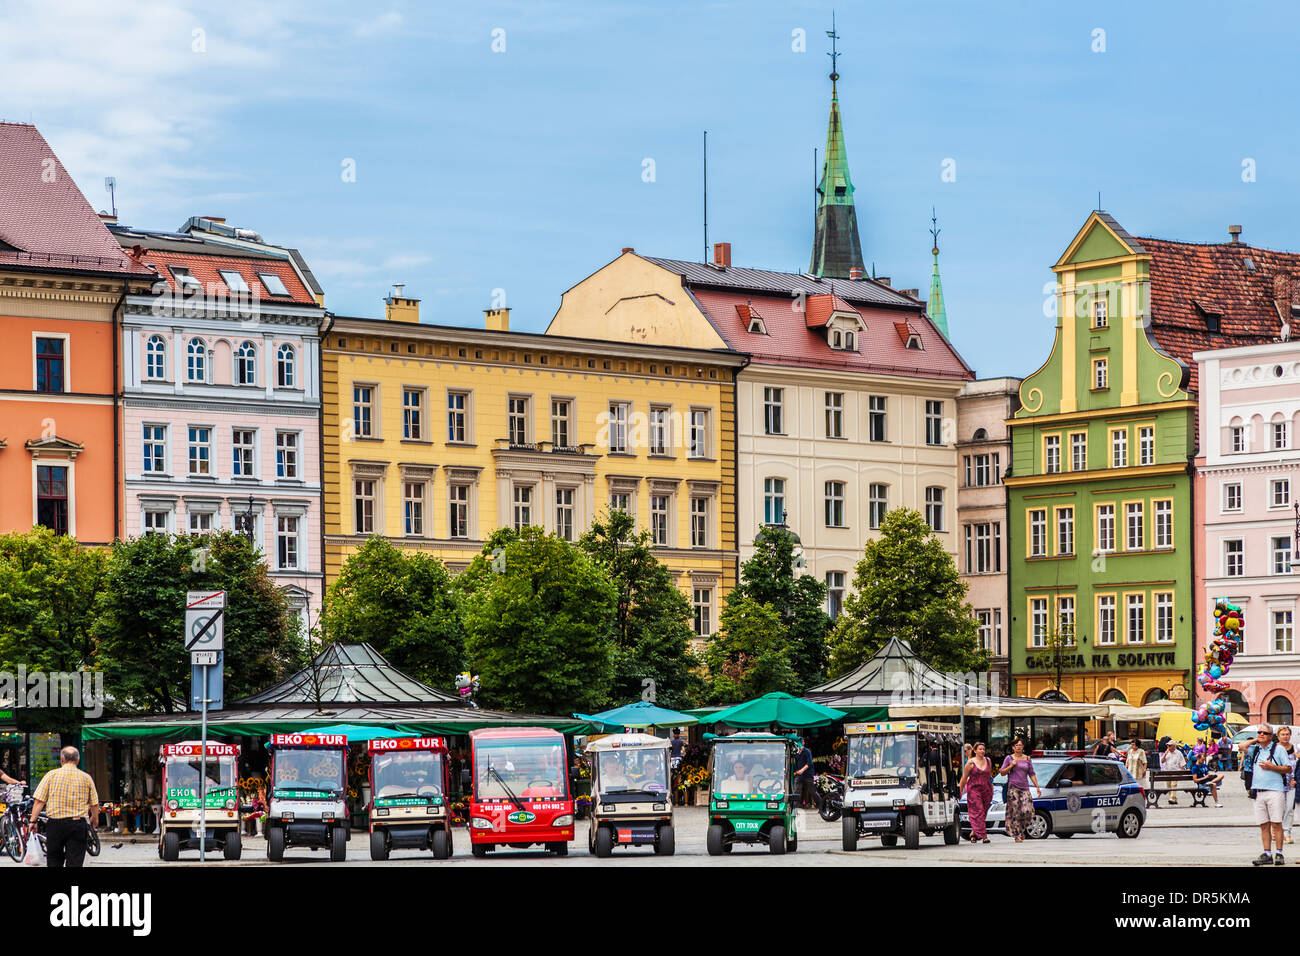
749 792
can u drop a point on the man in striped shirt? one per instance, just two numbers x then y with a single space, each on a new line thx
69 797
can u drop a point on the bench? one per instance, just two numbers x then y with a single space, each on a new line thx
1174 781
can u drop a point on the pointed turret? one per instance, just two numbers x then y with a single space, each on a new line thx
934 306
837 250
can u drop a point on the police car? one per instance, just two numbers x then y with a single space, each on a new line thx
1078 794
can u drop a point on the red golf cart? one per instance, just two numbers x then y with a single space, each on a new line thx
520 794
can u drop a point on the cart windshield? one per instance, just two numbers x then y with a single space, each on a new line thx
635 770
309 770
882 755
411 774
184 776
533 768
749 768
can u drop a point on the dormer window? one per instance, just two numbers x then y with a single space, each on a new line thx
233 280
837 339
184 279
914 343
850 342
756 326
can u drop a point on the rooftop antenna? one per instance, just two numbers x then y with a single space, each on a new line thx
110 183
1098 200
816 188
706 196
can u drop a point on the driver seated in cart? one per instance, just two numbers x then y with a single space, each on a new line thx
612 776
738 782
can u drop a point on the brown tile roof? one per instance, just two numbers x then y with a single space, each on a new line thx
1237 287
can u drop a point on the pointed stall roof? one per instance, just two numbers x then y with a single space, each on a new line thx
894 669
351 674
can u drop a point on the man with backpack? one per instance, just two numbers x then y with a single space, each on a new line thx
1266 781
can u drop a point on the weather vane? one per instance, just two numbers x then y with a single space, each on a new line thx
834 54
934 231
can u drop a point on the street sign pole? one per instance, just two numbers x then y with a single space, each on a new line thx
209 633
203 774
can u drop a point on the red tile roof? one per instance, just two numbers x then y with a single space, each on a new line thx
789 340
207 270
1240 285
819 308
45 221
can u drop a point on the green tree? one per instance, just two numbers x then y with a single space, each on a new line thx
538 615
404 605
652 618
906 586
140 629
799 600
750 654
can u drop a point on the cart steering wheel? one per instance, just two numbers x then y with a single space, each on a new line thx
540 783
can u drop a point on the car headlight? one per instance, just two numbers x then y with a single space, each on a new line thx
899 804
381 812
660 806
723 804
230 804
607 808
479 823
859 804
287 817
564 820
173 805
327 817
773 805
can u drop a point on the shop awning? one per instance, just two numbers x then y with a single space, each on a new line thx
998 707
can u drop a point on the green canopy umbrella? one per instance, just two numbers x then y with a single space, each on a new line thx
359 733
776 709
639 715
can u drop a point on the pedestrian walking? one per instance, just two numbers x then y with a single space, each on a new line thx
68 796
1135 759
1270 766
1288 810
1105 746
1020 805
977 782
1172 759
804 789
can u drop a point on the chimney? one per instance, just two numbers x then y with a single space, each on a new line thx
883 280
722 255
627 249
855 273
400 308
107 217
498 320
913 293
1235 232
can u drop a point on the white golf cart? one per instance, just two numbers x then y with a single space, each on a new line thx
631 800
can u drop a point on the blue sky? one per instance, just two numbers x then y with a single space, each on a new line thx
522 170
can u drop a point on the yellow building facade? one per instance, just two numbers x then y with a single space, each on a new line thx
435 436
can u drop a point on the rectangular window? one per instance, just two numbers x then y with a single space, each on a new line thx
155 522
1283 632
1079 451
1099 304
699 433
1065 531
834 414
458 502
1038 622
458 417
970 475
834 594
1281 551
774 501
1105 528
702 603
523 506
774 411
835 504
1106 620
1099 374
619 412
1232 496
997 632
1164 617
363 492
561 422
273 284
1146 445
1052 454
934 508
200 522
983 477
52 497
1279 436
286 542
1238 438
1135 606
1119 448
234 281
1065 619
699 522
934 423
49 365
242 452
517 422
413 507
985 621
877 505
1279 492
286 454
363 409
1135 540
660 432
155 449
983 555
659 520
997 478
564 513
1164 523
1038 533
413 414
200 450
877 406
620 501
1234 558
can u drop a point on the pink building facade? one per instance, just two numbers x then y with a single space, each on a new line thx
1248 519
221 420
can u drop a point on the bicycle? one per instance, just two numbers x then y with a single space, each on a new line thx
13 827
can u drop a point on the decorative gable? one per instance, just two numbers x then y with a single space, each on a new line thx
55 447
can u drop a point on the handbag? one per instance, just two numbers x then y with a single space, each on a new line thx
34 856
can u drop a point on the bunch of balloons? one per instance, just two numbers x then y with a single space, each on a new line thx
1229 622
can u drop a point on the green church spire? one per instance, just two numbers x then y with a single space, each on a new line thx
836 246
938 312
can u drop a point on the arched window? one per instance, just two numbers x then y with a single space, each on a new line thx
836 339
1154 695
1280 711
1053 695
980 435
1114 694
155 357
196 361
284 366
246 365
850 342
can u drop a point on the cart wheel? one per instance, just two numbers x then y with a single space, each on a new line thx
559 849
234 847
889 839
378 846
776 839
171 846
952 833
849 832
713 840
912 831
275 844
479 850
338 844
604 843
441 844
666 842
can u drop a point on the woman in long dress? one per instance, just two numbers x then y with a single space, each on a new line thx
977 782
1020 805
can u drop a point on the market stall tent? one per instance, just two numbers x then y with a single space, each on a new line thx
776 710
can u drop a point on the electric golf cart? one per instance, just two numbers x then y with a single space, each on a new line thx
631 799
409 781
901 781
521 795
182 781
749 792
308 784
